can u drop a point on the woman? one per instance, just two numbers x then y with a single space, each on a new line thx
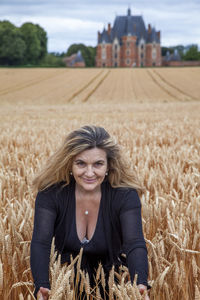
87 198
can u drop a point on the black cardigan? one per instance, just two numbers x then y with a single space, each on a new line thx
122 225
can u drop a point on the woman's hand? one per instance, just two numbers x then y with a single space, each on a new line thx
43 294
143 288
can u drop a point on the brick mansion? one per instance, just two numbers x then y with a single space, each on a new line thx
128 44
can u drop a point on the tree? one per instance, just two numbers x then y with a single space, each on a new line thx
88 53
41 33
52 60
192 54
36 42
12 46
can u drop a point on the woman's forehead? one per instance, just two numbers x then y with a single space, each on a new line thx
92 154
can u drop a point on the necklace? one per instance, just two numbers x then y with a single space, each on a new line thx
86 212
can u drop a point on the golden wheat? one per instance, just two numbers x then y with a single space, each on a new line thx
160 135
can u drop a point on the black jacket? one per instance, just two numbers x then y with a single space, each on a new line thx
121 218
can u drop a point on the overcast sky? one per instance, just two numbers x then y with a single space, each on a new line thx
77 21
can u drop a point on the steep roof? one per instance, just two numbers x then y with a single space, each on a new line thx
105 37
152 36
129 25
79 57
175 56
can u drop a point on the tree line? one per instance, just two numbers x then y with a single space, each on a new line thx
24 45
27 46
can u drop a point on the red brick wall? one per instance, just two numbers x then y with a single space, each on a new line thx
181 63
107 62
159 57
98 56
148 55
129 54
79 64
109 55
128 51
149 59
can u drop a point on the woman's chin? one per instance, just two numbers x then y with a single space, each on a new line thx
89 185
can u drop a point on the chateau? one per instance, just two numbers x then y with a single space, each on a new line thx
128 44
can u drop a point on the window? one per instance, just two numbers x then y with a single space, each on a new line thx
142 46
103 53
115 46
142 55
127 62
154 53
116 64
115 54
127 52
128 44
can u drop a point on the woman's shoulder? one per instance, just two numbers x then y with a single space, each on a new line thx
124 191
55 189
125 198
53 195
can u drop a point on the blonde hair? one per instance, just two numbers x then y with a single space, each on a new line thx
59 165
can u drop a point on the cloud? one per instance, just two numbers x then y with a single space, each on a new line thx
68 22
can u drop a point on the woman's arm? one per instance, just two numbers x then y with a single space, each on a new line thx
134 245
44 221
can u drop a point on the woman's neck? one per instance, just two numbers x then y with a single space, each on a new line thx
82 193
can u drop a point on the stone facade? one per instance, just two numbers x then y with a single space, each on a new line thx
128 44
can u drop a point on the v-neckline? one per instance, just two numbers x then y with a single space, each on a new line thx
95 229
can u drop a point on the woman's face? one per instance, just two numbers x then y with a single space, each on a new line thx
89 169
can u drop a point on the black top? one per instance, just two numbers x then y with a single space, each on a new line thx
118 229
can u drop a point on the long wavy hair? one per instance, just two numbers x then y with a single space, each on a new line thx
59 165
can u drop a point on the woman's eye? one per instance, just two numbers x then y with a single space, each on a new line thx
80 163
98 164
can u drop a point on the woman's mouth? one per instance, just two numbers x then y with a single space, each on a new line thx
89 180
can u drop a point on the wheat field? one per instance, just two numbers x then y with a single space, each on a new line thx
154 115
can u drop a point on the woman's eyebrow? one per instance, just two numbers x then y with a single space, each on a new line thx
100 160
79 159
82 160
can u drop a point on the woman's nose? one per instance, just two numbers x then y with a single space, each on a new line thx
89 171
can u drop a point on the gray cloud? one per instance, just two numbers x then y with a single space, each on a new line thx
67 22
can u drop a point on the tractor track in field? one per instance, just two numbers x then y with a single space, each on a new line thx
28 84
83 88
96 87
174 86
152 76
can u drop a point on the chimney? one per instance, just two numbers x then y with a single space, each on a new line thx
149 28
99 35
109 28
158 35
